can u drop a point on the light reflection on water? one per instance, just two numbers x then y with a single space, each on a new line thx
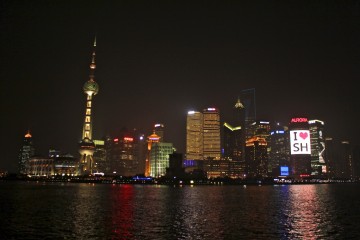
30 210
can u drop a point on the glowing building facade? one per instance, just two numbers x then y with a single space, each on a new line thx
194 136
153 138
256 158
87 146
159 158
300 148
211 134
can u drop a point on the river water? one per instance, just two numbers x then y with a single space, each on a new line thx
45 210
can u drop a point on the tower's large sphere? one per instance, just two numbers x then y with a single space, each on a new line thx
91 87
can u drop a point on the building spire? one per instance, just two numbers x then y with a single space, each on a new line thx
238 104
93 64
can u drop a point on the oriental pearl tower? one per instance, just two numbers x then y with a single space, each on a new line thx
87 146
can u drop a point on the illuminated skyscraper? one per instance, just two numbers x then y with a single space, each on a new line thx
27 150
211 134
123 154
256 157
159 158
300 148
87 146
279 145
153 138
194 136
318 165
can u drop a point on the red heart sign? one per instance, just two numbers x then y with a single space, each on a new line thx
303 135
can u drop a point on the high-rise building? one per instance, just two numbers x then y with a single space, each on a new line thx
159 158
233 150
153 138
256 157
100 156
87 146
232 142
279 154
261 128
330 157
175 169
194 136
27 150
211 134
159 129
140 152
123 160
248 100
344 162
300 148
317 138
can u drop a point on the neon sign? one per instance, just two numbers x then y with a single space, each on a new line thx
129 139
298 120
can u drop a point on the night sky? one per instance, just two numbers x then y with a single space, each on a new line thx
158 59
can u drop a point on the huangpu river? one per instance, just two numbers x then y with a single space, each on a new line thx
53 210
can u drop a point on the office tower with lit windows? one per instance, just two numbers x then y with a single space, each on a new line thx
211 134
86 145
318 163
231 142
159 130
194 136
100 156
256 158
159 158
232 150
123 160
27 150
248 100
300 148
152 139
279 154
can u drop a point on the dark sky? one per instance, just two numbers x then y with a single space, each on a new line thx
158 59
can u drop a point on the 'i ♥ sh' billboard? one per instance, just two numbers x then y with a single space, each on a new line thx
300 142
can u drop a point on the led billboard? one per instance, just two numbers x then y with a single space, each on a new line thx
284 171
300 142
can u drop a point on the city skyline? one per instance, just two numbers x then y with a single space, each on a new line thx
155 62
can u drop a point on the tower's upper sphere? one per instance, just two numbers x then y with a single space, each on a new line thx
91 87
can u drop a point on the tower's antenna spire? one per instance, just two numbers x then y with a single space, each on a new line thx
93 64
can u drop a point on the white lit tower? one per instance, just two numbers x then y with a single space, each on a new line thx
87 146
